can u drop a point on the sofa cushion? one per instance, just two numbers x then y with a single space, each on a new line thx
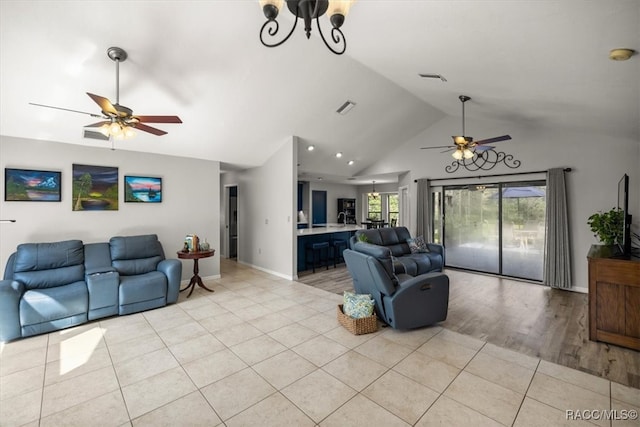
46 265
44 305
142 287
417 245
133 255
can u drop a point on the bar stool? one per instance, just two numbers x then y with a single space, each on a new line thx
317 250
338 246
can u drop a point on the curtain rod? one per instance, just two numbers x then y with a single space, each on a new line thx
490 176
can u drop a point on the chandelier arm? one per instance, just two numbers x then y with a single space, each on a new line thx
336 35
273 30
486 160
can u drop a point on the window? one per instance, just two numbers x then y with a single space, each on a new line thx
383 207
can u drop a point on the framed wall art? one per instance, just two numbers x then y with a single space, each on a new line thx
27 185
95 188
142 189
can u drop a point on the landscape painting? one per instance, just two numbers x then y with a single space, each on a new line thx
95 188
142 189
25 185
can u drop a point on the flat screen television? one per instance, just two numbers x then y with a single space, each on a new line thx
623 205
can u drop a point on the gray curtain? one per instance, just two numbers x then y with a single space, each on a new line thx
423 217
557 254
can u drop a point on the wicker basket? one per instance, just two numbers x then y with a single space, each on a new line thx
364 325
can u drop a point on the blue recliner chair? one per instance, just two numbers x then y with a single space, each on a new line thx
147 279
44 289
402 301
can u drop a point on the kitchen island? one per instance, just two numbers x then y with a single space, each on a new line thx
322 233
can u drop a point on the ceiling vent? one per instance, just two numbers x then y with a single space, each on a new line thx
95 135
433 76
346 107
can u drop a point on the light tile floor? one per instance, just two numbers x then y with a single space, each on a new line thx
263 351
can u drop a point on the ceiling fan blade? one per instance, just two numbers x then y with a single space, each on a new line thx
439 146
483 148
149 129
97 125
65 109
159 119
496 139
104 103
446 151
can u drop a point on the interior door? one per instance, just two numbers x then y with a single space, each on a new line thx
232 229
318 207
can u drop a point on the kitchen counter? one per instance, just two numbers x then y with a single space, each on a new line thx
329 228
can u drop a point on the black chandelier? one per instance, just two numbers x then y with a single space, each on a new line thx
308 10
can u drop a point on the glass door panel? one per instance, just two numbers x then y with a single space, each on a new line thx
471 219
523 229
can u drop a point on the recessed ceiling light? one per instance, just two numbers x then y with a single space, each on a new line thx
338 154
310 148
350 162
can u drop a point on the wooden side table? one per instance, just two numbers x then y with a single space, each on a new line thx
196 279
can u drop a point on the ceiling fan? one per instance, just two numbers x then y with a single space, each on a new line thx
465 146
118 120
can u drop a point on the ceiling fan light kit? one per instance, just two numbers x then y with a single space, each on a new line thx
621 54
307 10
476 155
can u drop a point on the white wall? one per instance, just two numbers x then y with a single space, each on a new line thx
598 162
190 200
267 212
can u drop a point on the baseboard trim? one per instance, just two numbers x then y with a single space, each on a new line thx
265 270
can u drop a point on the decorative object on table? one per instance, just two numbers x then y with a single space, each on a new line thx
192 242
185 248
95 188
26 185
608 228
204 246
356 313
142 189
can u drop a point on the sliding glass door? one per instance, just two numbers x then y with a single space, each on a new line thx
494 228
471 228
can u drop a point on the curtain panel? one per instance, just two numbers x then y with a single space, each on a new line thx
423 217
557 252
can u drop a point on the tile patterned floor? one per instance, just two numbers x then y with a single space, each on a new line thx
263 351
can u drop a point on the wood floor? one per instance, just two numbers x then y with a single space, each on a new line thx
529 318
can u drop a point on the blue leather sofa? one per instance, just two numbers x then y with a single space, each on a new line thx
402 301
51 286
394 239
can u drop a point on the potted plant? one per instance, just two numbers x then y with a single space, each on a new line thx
607 228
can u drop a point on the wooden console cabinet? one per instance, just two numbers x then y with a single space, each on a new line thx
614 300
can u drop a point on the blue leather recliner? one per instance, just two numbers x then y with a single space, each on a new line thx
51 286
395 239
402 301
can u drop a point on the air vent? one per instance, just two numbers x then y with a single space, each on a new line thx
433 76
95 135
346 107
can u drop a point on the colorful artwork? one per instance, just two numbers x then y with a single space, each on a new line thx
142 189
95 188
26 185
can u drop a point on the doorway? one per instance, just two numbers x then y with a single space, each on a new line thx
318 207
232 221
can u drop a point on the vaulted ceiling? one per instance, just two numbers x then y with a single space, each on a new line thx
542 63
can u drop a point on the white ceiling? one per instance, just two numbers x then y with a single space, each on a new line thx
540 63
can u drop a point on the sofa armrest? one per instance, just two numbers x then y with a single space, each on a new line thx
10 293
434 247
172 268
98 270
